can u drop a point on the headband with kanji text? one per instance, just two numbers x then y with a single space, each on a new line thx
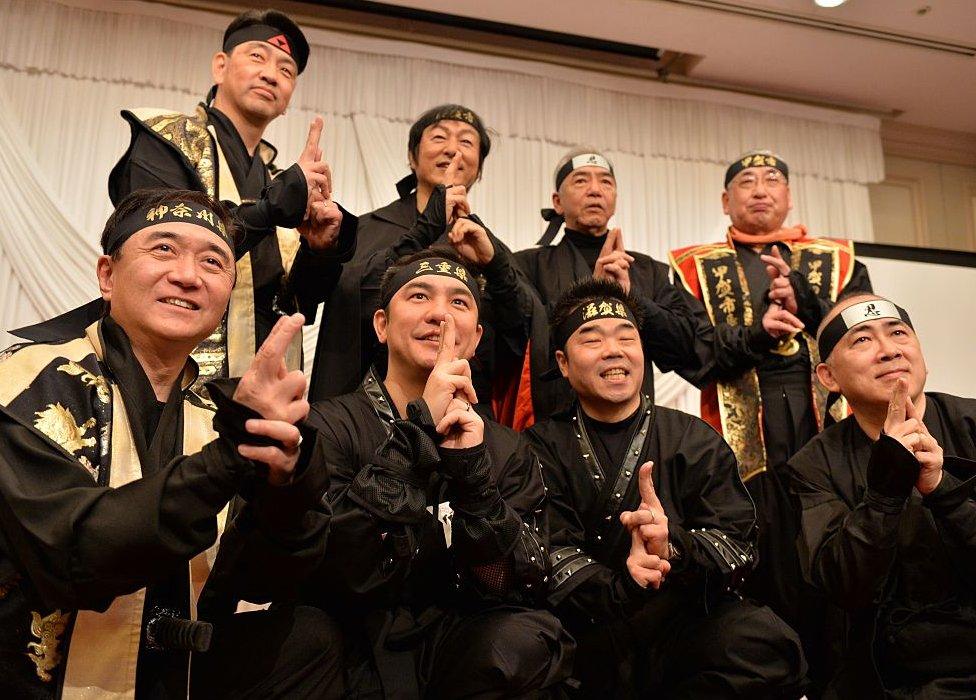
433 266
592 310
756 160
173 212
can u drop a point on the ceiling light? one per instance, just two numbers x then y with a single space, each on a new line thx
829 3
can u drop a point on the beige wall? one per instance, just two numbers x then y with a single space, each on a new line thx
928 197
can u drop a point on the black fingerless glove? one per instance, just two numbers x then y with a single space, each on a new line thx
231 416
892 469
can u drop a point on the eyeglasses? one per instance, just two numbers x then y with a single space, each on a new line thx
749 181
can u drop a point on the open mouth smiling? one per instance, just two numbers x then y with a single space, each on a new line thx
181 303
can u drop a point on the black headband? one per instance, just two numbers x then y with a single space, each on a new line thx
606 307
756 160
289 40
853 315
174 212
433 266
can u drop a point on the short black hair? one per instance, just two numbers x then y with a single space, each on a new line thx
436 114
434 251
589 290
148 198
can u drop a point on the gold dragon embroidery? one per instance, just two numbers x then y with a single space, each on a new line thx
44 652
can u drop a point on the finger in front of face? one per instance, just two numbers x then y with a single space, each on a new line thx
896 405
446 351
450 173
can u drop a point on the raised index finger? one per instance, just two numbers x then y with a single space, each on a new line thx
272 351
645 483
896 406
446 351
618 239
314 134
450 174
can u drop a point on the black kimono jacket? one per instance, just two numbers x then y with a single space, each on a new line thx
398 557
903 571
101 513
347 345
284 279
672 335
710 515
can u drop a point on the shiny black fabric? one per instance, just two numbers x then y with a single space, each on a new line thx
901 567
347 344
68 541
152 162
390 578
693 637
670 332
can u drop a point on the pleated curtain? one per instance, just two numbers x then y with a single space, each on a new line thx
68 68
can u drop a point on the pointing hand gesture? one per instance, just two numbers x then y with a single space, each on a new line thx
649 520
647 562
456 194
780 290
450 378
614 261
278 395
901 422
318 175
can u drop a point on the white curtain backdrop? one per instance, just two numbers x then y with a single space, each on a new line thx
67 68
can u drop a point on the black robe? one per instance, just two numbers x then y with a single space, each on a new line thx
672 334
711 520
69 541
903 572
270 198
789 422
347 345
397 583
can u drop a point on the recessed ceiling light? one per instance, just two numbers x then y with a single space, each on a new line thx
829 3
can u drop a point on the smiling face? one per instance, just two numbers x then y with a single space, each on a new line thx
604 362
587 198
410 326
438 144
869 358
169 285
255 80
758 200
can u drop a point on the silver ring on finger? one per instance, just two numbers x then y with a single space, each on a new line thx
653 516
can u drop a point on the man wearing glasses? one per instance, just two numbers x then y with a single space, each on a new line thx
766 288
